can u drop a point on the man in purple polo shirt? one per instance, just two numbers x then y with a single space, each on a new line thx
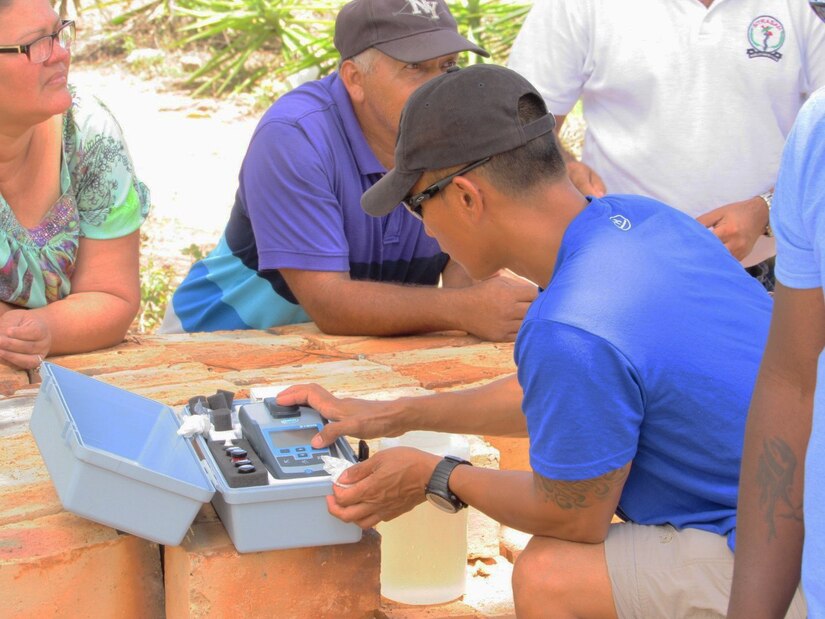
299 247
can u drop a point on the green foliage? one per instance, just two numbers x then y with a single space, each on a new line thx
152 11
156 288
294 30
259 42
157 284
491 24
62 6
196 252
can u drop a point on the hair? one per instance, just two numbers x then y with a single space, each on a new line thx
519 170
4 4
365 61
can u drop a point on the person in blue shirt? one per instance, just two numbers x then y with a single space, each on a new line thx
298 247
784 459
635 367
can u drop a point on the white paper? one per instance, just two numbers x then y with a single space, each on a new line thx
195 424
336 466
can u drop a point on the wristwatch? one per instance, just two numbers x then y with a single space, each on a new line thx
438 488
768 198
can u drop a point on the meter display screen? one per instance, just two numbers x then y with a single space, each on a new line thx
292 438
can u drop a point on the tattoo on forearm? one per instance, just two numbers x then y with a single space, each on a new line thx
580 494
775 476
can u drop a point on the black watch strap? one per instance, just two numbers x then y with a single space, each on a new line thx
439 483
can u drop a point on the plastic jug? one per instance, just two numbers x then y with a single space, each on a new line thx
424 552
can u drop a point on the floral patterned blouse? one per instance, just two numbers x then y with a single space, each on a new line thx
101 198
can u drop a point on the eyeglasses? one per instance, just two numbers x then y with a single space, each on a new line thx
413 202
819 8
40 50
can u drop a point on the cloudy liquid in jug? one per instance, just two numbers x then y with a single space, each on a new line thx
424 552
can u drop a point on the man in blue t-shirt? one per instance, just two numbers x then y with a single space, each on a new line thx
635 367
298 247
785 442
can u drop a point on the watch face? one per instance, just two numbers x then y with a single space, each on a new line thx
441 503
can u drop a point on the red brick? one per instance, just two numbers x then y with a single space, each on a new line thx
178 394
350 376
20 461
65 566
319 339
514 453
385 345
172 385
261 351
303 328
440 368
207 513
513 542
25 488
28 501
127 356
175 374
453 610
12 380
206 577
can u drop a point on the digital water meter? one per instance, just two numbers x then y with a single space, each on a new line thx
281 437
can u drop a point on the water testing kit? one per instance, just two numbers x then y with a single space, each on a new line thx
116 457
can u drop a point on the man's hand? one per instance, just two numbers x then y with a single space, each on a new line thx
387 485
25 339
496 307
738 225
352 417
585 179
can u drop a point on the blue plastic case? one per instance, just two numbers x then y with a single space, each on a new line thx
115 457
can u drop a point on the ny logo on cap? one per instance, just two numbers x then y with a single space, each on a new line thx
425 8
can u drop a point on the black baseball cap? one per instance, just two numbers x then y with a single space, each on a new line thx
459 117
407 30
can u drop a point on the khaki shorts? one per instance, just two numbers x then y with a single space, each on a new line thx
657 571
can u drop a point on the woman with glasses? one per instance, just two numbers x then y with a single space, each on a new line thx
70 204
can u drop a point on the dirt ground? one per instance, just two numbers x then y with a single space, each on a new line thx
188 152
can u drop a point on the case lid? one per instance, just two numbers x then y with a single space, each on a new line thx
126 433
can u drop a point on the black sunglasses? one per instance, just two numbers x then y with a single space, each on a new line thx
819 8
413 202
40 50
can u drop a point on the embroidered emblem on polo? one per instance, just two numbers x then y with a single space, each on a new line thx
621 222
766 35
422 8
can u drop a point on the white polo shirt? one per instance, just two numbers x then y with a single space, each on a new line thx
685 104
